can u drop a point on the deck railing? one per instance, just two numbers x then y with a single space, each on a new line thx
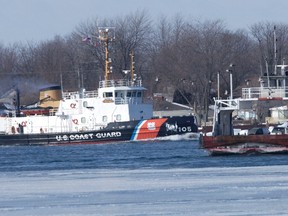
119 83
264 92
77 95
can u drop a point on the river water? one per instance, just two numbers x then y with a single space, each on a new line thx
140 178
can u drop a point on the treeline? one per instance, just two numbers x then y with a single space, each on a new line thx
172 56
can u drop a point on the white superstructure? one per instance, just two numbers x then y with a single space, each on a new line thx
114 101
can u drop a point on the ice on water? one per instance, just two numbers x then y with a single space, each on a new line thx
260 190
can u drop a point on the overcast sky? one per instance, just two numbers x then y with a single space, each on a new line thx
39 20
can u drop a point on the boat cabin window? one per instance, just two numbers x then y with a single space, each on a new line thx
104 118
83 120
134 94
128 94
119 94
85 103
139 94
107 94
118 117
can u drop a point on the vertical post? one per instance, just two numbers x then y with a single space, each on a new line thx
61 81
132 66
104 36
218 85
231 85
17 102
231 80
275 51
79 80
267 71
106 59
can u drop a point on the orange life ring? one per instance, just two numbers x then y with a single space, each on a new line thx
75 121
73 105
24 123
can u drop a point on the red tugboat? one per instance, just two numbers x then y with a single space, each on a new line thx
224 141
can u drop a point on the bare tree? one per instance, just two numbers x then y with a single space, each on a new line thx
166 53
272 40
174 55
133 34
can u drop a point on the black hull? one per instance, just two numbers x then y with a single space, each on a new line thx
114 132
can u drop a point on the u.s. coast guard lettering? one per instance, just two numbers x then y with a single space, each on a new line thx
108 134
87 136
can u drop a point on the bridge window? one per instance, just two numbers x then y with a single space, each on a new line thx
107 94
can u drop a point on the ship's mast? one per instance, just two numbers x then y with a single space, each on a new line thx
275 50
132 66
106 35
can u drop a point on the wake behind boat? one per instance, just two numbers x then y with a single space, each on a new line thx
117 111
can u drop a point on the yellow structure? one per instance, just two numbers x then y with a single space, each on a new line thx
50 97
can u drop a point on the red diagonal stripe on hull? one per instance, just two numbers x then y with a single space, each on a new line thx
150 129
